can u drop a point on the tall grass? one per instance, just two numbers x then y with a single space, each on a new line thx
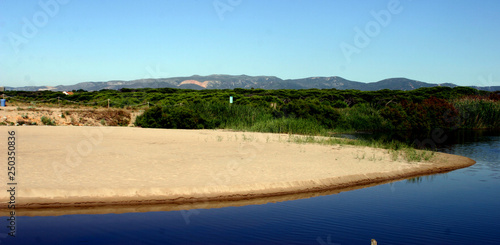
289 125
232 116
477 113
362 117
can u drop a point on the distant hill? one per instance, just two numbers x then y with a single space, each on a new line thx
244 81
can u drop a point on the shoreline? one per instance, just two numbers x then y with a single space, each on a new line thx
109 208
65 169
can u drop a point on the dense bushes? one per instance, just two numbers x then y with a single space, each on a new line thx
256 97
325 115
240 117
202 115
430 113
310 111
363 117
317 118
181 117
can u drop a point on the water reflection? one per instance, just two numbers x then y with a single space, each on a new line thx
427 178
481 145
439 138
121 209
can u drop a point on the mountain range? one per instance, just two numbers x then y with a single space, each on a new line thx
244 81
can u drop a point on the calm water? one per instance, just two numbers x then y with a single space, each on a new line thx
460 207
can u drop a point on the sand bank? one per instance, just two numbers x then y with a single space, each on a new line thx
96 169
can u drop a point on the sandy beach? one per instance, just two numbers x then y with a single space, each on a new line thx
98 167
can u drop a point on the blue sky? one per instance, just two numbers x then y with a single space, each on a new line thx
53 42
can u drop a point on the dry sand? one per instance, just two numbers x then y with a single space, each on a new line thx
98 169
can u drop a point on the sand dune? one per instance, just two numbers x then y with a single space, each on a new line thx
92 167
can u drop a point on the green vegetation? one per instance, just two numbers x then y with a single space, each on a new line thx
288 125
320 112
477 112
307 112
363 117
47 121
396 149
333 98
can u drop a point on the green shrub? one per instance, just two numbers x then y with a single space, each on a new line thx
362 117
424 116
179 117
340 104
396 115
323 114
48 121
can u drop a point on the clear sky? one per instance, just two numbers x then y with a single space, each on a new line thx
54 42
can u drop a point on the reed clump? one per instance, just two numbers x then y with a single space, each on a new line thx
478 112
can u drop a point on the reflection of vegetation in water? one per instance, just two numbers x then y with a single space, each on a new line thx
420 179
415 180
463 136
